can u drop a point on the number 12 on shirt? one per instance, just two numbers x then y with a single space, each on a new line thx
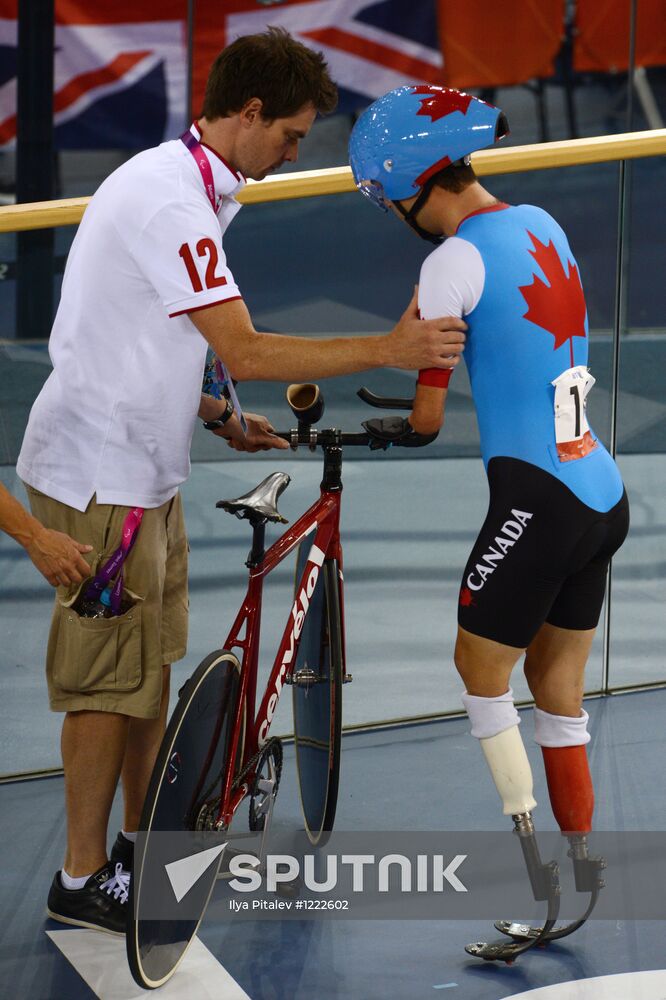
572 432
205 248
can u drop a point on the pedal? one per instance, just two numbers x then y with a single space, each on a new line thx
305 678
231 852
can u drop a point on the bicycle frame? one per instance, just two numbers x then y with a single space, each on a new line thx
322 518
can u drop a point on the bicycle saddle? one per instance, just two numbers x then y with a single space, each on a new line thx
261 501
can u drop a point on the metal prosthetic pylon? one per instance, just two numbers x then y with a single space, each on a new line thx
544 880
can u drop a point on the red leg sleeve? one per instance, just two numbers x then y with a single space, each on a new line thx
570 787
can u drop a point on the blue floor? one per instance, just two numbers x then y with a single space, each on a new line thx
424 777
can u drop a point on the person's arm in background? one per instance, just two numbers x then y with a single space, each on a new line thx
57 556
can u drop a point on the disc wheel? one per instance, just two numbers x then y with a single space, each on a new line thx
317 700
192 759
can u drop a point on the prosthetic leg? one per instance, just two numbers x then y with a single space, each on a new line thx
495 723
562 740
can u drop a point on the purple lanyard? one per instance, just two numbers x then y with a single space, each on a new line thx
204 166
108 571
206 171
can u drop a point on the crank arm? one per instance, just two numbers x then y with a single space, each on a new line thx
231 852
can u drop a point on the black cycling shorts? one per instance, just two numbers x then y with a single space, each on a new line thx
541 556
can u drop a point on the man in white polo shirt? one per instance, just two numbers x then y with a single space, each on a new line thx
146 290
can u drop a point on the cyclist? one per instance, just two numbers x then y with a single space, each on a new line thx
146 290
534 582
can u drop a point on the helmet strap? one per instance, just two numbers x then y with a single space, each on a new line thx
410 216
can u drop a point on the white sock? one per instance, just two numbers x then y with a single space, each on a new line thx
491 716
129 836
560 730
73 883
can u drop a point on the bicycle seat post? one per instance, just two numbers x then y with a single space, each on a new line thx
258 549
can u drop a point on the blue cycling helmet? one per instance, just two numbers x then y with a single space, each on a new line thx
407 136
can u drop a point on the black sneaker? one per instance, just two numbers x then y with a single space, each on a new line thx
100 904
123 852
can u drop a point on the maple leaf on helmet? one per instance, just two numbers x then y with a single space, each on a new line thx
557 306
393 156
440 101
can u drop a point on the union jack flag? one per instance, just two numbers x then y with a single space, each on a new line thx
120 73
121 68
371 46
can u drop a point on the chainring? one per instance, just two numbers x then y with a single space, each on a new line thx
270 752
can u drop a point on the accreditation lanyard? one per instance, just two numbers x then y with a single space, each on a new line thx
108 571
206 171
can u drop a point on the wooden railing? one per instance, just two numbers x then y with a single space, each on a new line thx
338 180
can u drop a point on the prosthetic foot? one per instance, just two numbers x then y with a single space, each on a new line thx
572 801
545 887
495 722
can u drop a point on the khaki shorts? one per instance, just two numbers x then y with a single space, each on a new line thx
115 664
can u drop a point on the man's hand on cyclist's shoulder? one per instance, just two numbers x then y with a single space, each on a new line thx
260 434
433 343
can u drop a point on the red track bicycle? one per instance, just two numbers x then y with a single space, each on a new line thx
216 751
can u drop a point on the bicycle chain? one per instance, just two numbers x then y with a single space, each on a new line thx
274 746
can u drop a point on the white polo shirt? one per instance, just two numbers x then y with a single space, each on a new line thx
116 416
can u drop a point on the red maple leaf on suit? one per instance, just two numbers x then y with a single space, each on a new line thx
439 103
559 305
466 598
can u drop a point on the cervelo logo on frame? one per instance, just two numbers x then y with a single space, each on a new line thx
298 613
507 537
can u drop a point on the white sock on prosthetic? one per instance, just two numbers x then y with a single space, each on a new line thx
562 740
560 730
495 724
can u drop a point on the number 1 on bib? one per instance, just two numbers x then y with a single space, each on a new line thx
572 432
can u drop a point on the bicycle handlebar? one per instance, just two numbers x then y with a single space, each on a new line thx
306 400
384 402
329 438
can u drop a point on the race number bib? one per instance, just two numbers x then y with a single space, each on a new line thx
573 437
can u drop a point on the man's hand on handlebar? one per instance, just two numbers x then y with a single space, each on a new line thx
433 343
387 431
260 435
